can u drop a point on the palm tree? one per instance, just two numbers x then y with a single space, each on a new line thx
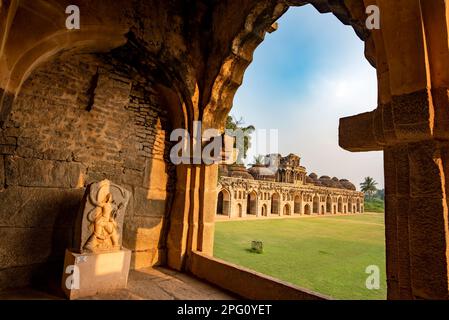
258 160
369 186
234 124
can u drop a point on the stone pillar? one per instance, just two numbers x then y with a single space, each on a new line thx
179 215
208 205
192 215
397 188
428 220
416 217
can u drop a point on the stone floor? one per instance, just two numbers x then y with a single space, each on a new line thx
145 284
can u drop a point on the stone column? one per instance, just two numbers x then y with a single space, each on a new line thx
192 215
428 220
179 217
208 204
416 218
397 188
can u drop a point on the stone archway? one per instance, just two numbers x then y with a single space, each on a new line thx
307 209
340 205
329 204
286 211
251 206
264 211
275 203
409 124
316 204
224 203
297 204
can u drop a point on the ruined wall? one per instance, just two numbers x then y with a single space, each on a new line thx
80 118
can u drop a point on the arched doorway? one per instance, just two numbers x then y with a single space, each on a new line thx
307 209
240 210
322 210
316 205
340 205
287 210
275 199
328 204
297 205
223 203
264 210
350 205
358 205
251 207
385 48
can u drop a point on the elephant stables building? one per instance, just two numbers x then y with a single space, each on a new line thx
79 106
286 191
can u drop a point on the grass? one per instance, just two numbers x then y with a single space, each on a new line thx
374 205
325 254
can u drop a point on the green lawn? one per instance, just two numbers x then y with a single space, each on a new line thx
325 254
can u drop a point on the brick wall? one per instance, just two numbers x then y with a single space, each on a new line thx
77 120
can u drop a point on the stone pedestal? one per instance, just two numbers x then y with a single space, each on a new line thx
91 273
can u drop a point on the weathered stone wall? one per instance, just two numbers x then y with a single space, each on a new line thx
79 119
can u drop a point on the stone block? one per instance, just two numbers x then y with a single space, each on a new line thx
425 177
412 114
257 246
7 149
149 202
428 248
11 171
142 233
357 133
39 207
17 277
90 274
55 174
24 246
148 258
156 176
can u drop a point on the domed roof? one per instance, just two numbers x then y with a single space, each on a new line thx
309 179
313 176
347 185
261 171
239 171
326 181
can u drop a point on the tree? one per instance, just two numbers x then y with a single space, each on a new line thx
258 160
369 186
234 124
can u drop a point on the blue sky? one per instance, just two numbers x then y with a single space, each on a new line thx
303 78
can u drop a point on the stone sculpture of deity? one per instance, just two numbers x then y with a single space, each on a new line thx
104 227
99 224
